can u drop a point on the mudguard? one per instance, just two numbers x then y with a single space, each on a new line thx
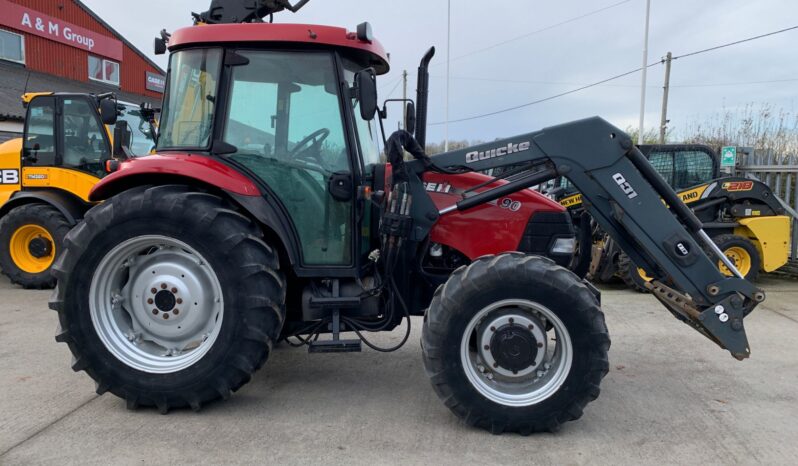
174 167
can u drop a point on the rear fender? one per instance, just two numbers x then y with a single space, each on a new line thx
491 228
187 168
207 173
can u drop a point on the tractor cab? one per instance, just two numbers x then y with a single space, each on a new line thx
287 113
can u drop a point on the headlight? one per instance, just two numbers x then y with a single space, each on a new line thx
564 246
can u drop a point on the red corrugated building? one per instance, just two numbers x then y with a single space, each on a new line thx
63 46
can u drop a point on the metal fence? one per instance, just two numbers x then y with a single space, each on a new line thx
781 174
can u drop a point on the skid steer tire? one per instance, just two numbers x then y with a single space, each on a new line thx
203 252
27 266
631 274
515 292
742 252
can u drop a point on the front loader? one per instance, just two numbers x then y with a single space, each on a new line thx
744 217
267 214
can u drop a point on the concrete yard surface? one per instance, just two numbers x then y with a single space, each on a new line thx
671 396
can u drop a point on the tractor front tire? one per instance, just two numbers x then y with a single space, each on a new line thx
167 297
31 237
515 343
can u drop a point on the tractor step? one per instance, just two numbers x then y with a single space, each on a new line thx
335 346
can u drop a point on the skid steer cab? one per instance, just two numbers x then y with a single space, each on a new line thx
744 218
268 214
46 175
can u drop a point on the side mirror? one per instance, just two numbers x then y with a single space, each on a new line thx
122 140
161 42
108 111
160 46
366 85
410 121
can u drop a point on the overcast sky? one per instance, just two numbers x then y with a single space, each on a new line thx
550 62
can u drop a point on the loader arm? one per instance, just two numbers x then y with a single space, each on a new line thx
630 201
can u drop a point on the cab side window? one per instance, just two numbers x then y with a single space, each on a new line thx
39 148
84 145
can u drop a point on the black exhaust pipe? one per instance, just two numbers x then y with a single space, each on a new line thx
422 94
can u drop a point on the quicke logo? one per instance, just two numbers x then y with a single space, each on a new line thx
510 148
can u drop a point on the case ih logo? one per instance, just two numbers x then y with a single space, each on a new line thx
510 148
736 186
438 187
9 176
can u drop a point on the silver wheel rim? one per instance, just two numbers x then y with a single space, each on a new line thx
524 387
156 304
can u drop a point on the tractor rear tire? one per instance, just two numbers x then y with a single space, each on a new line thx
631 274
742 252
31 237
544 339
137 333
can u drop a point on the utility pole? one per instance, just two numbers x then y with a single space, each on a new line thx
663 125
645 69
404 96
448 69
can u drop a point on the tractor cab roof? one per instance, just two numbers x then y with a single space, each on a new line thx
370 52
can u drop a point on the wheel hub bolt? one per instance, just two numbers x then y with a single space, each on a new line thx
163 286
179 300
155 312
166 316
174 290
540 345
487 347
495 364
493 329
176 312
512 321
150 301
530 327
154 291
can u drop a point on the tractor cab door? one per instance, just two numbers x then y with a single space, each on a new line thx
64 131
285 119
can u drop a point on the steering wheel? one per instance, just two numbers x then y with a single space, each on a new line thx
314 140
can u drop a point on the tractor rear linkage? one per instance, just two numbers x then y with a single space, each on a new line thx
622 192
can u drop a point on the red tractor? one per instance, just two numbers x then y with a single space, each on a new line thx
268 214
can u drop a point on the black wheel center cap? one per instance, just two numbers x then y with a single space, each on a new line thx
40 247
165 301
514 347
